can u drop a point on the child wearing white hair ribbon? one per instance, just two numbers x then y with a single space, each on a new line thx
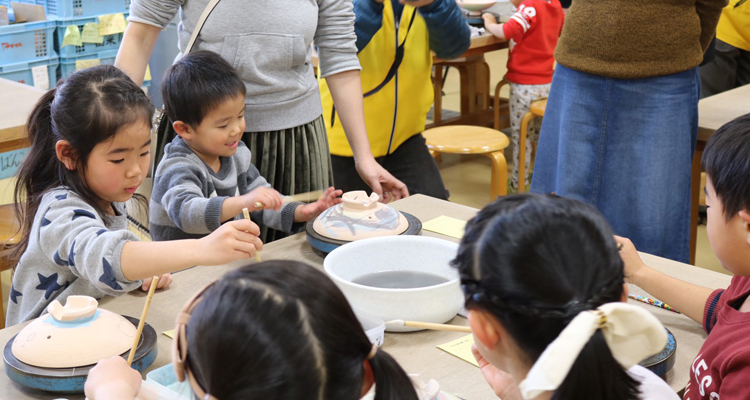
545 295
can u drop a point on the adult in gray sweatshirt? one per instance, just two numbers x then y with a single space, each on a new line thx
269 43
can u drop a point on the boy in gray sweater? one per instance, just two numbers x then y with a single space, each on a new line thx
206 177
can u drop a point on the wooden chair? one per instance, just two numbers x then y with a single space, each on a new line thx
10 234
466 139
496 104
535 110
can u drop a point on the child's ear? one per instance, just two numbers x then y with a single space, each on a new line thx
182 129
66 154
484 328
745 216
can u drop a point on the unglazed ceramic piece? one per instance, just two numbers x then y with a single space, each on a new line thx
475 7
359 217
75 335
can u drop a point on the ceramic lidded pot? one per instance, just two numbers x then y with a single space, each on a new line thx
74 335
359 217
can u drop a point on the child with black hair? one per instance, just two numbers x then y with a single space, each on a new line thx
274 330
720 370
545 296
90 140
206 177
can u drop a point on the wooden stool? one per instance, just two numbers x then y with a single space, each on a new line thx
465 139
496 104
10 234
535 110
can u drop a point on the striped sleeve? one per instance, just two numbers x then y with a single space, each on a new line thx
711 310
520 22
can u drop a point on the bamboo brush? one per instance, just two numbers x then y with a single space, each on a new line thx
246 213
428 325
154 282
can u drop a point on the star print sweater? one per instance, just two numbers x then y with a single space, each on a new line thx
188 195
71 251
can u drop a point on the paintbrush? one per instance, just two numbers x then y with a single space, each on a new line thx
246 213
154 282
428 325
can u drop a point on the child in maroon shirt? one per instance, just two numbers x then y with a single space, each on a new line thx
533 32
722 368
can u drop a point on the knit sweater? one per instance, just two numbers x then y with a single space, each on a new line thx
637 38
71 251
188 195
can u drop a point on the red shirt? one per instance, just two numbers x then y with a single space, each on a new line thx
533 32
722 368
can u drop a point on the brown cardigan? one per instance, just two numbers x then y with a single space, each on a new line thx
637 38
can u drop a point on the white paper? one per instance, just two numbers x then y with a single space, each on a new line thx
41 77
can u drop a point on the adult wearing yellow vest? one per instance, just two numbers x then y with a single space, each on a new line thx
730 67
394 40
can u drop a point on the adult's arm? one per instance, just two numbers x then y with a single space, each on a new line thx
449 33
709 12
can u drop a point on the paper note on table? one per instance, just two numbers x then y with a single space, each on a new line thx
111 24
169 334
446 226
72 36
461 348
83 64
91 34
40 77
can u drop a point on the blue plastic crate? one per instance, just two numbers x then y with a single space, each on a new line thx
68 64
111 42
85 8
21 72
30 41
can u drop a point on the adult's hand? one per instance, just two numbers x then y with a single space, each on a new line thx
381 181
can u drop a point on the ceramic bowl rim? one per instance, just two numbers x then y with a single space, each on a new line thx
333 275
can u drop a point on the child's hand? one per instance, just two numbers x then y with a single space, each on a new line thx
329 198
112 379
633 263
164 281
232 241
489 20
501 382
269 197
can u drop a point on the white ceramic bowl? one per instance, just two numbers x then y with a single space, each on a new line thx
475 5
438 303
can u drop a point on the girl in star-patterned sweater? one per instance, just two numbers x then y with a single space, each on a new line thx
90 140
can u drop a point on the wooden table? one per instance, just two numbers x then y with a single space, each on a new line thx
16 102
713 112
416 351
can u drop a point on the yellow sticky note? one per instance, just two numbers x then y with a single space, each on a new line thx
83 64
446 226
148 73
169 334
461 348
72 36
91 34
111 24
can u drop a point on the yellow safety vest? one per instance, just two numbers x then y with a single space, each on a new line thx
399 109
734 25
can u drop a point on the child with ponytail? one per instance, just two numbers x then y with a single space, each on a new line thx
274 330
545 296
90 140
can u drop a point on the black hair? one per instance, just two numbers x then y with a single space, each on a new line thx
284 330
534 262
88 108
197 84
726 161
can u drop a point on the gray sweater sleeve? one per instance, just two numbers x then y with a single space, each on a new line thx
73 235
335 37
155 13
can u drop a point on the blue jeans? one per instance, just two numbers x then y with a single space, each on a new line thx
626 147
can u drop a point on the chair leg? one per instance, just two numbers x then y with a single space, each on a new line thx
522 152
436 155
499 180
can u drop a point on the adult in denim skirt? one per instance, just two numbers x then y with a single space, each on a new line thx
621 122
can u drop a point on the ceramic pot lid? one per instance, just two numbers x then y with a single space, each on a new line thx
75 335
359 217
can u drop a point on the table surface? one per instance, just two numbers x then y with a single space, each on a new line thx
16 102
717 110
416 351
